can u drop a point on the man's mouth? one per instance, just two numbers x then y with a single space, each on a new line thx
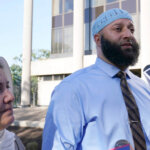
126 45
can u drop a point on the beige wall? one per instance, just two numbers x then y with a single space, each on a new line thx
45 89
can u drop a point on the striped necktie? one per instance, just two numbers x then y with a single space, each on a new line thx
133 113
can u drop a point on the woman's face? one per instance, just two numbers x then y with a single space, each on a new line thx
6 99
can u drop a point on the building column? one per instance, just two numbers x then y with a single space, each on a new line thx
27 51
78 34
145 32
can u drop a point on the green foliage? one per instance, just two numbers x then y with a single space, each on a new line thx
32 145
41 54
18 58
16 77
16 70
34 86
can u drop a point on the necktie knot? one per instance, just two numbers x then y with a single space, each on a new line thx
121 75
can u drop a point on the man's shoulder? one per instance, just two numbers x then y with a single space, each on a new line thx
77 78
139 81
79 74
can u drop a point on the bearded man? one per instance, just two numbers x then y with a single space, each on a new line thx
103 106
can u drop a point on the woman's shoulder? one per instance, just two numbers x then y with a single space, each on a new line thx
18 143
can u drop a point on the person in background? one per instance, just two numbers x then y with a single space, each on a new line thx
103 106
8 140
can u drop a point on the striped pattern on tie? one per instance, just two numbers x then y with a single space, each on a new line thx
133 113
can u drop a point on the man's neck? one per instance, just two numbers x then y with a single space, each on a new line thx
109 62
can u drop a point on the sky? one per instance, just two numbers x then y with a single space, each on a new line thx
11 27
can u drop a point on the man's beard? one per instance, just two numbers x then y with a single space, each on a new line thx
120 57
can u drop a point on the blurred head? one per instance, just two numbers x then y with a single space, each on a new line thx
6 95
115 40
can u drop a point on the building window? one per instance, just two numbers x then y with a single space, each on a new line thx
57 7
68 42
62 27
112 5
58 77
54 77
68 19
56 40
96 3
47 78
137 72
129 5
110 1
68 6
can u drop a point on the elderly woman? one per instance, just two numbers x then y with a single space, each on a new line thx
8 140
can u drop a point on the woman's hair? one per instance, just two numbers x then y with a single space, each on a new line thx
6 69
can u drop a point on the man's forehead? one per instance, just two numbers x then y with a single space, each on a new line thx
108 17
125 22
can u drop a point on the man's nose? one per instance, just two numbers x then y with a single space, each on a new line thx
8 96
127 33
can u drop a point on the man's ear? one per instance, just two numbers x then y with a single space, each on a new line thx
97 39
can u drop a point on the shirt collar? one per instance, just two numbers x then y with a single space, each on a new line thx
109 69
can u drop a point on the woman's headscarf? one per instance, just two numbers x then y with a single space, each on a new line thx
7 72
